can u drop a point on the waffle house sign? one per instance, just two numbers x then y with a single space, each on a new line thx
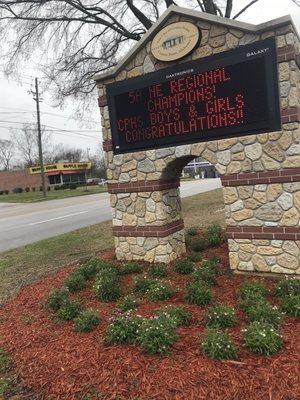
60 167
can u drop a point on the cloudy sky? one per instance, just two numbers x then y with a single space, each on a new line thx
17 105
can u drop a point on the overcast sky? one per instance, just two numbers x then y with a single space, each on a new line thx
17 105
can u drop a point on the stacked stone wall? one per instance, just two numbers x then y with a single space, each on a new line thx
260 173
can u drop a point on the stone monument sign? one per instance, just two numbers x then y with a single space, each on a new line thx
197 85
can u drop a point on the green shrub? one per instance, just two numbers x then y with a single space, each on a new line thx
86 321
160 291
207 272
106 265
251 300
107 286
198 293
130 268
212 263
142 284
288 286
187 241
179 315
264 312
27 189
214 235
18 190
75 282
183 267
69 310
4 387
218 345
5 362
123 328
89 269
199 245
220 316
252 288
194 257
56 299
192 231
159 271
156 335
128 303
262 338
291 305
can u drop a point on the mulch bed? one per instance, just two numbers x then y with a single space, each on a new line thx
58 363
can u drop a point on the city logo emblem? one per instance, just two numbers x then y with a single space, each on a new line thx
175 41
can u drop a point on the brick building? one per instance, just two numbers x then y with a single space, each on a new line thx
56 175
9 180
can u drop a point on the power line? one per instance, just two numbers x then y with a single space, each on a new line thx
57 132
75 131
62 134
42 112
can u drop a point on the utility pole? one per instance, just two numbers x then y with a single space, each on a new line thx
37 100
86 173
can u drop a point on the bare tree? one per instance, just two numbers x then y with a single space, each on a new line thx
65 153
79 38
98 164
26 143
6 154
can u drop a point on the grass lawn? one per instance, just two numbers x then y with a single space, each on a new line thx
27 264
32 197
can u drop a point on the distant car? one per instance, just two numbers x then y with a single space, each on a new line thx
102 182
93 181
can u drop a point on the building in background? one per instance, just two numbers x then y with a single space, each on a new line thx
63 173
199 169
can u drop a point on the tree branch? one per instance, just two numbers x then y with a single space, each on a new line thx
201 5
210 7
169 3
139 15
228 9
245 8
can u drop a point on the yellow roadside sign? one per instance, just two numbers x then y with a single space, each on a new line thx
60 167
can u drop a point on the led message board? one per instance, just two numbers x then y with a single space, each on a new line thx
226 95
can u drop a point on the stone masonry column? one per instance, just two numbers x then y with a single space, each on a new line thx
260 173
147 221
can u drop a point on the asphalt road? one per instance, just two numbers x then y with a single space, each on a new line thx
21 224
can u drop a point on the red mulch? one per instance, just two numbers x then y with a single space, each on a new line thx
58 363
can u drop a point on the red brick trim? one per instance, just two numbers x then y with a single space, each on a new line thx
263 232
291 114
102 101
148 230
256 178
286 53
107 145
142 186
